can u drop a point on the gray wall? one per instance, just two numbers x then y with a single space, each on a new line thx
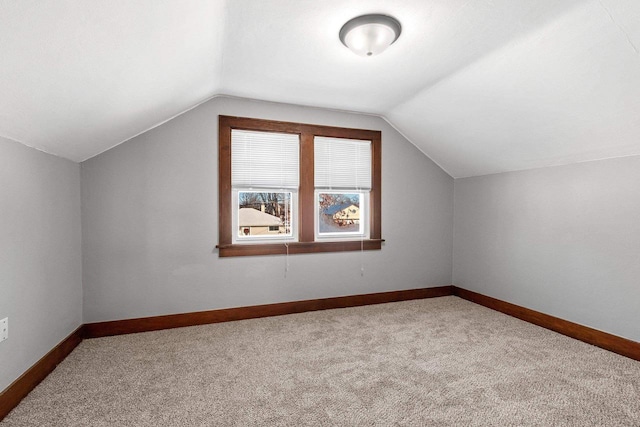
149 217
40 259
563 240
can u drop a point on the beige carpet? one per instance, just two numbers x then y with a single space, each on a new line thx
436 362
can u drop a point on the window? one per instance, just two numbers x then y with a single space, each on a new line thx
264 180
342 179
297 188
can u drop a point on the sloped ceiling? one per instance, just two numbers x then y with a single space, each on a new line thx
480 86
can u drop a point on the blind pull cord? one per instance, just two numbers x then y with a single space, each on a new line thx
286 260
362 256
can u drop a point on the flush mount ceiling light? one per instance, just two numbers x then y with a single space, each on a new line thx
369 35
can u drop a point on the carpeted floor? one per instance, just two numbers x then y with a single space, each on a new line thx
435 362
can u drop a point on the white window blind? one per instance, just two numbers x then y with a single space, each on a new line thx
342 163
264 159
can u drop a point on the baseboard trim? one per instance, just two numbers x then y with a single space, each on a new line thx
12 395
614 343
146 324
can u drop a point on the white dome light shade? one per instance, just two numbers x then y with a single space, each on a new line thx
369 35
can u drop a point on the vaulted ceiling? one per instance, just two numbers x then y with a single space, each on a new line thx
480 86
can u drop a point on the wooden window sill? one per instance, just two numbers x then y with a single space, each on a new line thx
298 247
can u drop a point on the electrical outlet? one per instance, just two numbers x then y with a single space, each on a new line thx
4 329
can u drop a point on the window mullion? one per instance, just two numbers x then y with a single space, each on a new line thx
306 195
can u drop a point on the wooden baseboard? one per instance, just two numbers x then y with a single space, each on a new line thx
13 394
592 336
145 324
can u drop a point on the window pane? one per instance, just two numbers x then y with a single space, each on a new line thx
340 213
262 214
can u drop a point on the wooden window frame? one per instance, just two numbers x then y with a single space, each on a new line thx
306 209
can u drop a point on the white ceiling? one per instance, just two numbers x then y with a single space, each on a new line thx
479 86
